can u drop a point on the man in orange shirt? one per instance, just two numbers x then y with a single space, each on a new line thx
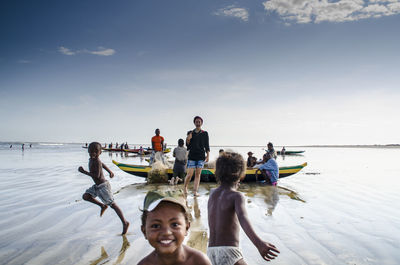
157 142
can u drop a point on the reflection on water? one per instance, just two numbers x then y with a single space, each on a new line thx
198 237
270 194
104 256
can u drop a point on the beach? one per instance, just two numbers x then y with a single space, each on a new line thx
343 208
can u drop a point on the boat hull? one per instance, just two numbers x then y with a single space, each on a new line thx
207 174
290 152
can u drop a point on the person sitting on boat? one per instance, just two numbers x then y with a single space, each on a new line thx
157 144
269 170
251 160
271 150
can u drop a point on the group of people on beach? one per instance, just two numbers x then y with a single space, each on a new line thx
165 217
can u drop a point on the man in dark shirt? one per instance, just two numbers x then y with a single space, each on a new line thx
199 151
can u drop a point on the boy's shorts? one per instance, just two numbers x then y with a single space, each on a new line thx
195 164
181 175
103 191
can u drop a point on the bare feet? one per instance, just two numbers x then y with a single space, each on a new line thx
125 228
177 180
196 194
103 209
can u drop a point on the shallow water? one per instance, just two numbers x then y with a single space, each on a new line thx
343 208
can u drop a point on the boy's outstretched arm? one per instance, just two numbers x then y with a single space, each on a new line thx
108 170
80 169
266 249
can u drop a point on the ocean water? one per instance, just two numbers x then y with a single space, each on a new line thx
343 208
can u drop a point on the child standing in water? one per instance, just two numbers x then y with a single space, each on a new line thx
226 210
102 187
165 224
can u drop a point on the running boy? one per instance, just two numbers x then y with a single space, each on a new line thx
226 210
102 187
165 224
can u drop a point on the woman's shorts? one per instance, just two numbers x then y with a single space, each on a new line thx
195 164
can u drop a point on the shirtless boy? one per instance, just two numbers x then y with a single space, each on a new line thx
165 224
226 210
102 187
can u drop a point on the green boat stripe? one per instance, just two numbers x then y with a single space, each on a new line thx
204 171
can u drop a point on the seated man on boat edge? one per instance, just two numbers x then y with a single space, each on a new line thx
269 170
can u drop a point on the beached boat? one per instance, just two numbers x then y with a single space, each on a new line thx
112 149
207 174
290 152
145 151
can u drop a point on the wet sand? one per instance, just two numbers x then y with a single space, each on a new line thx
343 208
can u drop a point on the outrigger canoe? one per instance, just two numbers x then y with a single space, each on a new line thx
290 152
145 151
112 149
207 174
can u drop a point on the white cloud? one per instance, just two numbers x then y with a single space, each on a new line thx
316 11
66 51
101 51
233 11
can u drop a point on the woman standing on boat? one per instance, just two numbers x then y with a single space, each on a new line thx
199 151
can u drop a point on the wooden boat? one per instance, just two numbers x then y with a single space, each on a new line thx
290 152
207 174
112 149
145 151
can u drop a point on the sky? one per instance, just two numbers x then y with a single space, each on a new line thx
291 72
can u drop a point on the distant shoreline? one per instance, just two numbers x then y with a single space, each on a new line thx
250 146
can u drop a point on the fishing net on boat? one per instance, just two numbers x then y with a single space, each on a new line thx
158 172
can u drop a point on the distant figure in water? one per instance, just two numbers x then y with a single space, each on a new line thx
23 147
10 146
226 211
102 187
30 145
283 151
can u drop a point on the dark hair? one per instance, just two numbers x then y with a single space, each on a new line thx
270 144
230 167
181 142
145 213
197 117
94 146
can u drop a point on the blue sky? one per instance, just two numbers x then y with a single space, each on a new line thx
290 72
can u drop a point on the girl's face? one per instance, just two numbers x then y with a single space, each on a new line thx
198 123
166 228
